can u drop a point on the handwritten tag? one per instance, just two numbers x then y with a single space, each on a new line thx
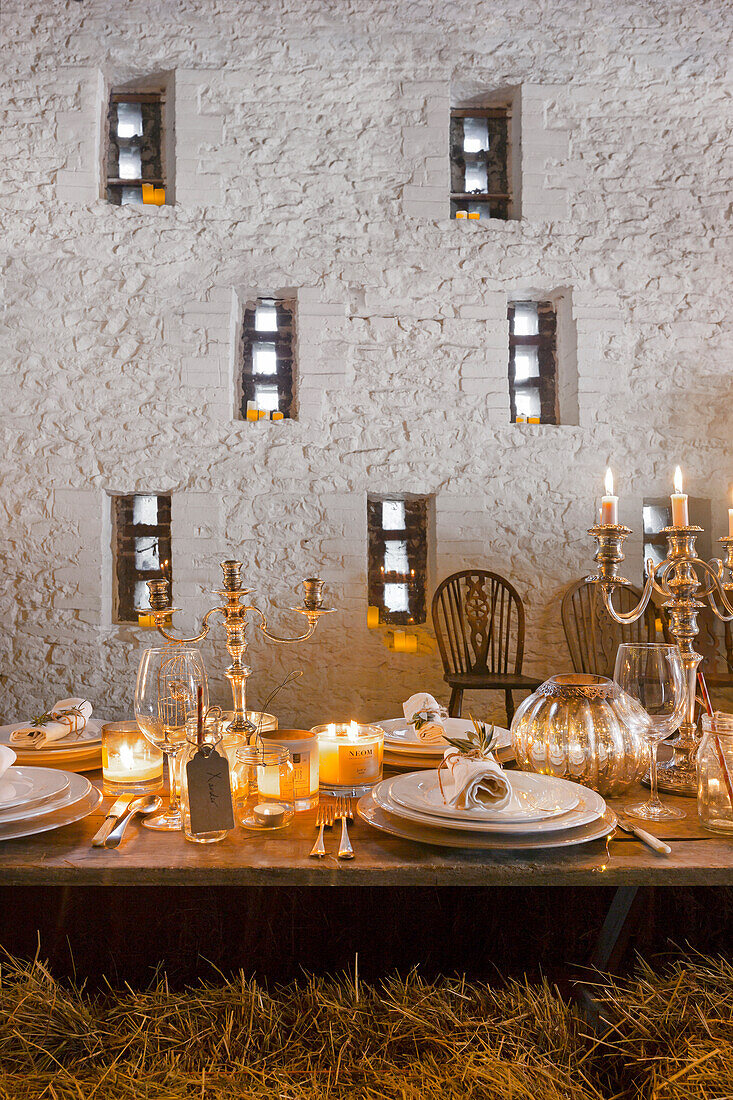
209 792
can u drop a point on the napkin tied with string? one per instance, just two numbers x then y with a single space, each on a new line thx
66 717
430 727
478 782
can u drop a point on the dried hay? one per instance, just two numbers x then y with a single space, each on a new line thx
672 1034
406 1039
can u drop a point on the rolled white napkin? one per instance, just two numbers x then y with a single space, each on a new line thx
67 717
477 783
422 705
75 710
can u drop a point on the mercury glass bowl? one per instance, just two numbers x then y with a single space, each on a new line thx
584 728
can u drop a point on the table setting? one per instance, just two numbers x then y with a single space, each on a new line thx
577 745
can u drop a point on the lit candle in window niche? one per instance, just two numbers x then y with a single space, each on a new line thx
609 503
680 514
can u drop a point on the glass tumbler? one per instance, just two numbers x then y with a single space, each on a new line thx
715 774
263 784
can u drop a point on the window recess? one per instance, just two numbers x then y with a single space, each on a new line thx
135 157
479 160
533 362
397 532
141 527
268 354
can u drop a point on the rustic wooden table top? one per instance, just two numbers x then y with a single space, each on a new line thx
245 858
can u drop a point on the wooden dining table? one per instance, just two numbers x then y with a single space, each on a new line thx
65 858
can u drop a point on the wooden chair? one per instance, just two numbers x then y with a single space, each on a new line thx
592 635
479 624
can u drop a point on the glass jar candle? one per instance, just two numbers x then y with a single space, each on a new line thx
349 757
263 784
234 741
303 748
210 746
715 774
130 763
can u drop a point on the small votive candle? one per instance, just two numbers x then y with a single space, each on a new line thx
263 787
130 764
303 748
349 757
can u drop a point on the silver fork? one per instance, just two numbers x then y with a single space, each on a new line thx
324 816
345 811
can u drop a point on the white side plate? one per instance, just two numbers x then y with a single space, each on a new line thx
370 812
56 820
533 798
76 787
30 787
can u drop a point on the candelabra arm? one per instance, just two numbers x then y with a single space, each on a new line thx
262 625
186 641
719 593
626 617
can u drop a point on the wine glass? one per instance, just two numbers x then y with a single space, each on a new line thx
654 676
166 694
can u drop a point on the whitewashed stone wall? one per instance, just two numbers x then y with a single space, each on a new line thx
311 153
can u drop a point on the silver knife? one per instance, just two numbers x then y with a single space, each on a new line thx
651 841
114 813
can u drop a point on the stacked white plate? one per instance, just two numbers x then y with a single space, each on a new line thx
78 752
404 751
543 812
35 800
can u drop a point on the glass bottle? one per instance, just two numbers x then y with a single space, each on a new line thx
715 774
212 743
263 784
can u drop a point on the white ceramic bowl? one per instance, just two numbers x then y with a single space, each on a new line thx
7 759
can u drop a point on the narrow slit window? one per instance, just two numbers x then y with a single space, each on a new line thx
268 368
135 157
479 161
142 549
533 362
398 552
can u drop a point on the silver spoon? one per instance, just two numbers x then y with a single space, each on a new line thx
148 804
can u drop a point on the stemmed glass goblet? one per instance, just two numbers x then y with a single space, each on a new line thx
166 694
654 676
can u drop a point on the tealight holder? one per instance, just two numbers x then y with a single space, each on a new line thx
263 787
349 757
130 764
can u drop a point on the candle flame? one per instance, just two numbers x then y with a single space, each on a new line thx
609 482
678 480
354 730
127 757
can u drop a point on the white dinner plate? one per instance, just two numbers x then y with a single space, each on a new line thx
374 815
76 787
89 736
401 736
590 808
56 819
533 797
29 787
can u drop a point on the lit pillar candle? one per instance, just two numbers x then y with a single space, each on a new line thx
680 514
609 502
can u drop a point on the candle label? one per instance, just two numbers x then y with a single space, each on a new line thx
302 774
209 792
358 763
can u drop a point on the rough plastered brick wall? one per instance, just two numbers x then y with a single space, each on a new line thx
311 154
